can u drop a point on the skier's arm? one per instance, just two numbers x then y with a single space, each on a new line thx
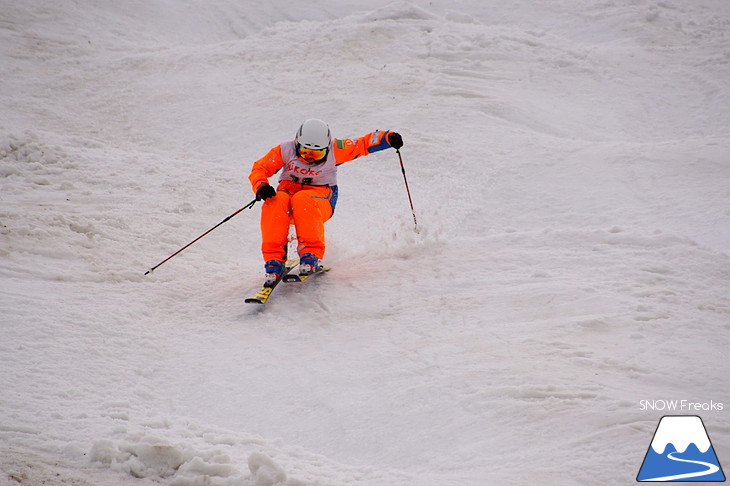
347 149
265 167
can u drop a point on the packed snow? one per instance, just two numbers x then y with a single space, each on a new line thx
569 168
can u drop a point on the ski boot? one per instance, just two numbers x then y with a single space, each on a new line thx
274 270
308 264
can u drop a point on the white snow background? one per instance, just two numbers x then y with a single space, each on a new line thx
570 172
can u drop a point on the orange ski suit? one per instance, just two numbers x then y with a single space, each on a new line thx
306 194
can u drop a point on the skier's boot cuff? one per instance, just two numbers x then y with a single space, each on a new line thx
274 270
308 264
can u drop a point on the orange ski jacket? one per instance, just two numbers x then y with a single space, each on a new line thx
296 170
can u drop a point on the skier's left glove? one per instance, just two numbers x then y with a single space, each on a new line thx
395 140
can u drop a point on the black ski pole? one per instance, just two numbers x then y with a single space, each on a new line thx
247 206
410 200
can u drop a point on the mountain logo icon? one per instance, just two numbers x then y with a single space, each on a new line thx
681 451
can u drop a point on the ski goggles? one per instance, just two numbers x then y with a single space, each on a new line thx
308 153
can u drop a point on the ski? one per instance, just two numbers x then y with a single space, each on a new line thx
265 291
290 277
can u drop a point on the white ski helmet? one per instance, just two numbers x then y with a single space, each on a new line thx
314 134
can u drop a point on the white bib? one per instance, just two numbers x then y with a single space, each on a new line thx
297 170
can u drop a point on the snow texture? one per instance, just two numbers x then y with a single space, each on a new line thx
570 173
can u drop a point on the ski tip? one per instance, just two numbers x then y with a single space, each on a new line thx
261 296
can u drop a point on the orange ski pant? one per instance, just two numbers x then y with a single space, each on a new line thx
307 207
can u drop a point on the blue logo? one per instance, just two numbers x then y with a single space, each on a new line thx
681 451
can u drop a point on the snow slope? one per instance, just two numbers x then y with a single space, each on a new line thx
569 170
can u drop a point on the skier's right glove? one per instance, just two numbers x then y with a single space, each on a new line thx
265 192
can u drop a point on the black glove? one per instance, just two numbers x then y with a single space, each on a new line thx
395 140
265 192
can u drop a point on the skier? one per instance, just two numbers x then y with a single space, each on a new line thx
307 190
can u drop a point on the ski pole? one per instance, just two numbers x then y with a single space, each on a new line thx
247 206
410 200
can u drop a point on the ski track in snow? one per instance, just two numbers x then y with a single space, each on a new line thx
569 170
